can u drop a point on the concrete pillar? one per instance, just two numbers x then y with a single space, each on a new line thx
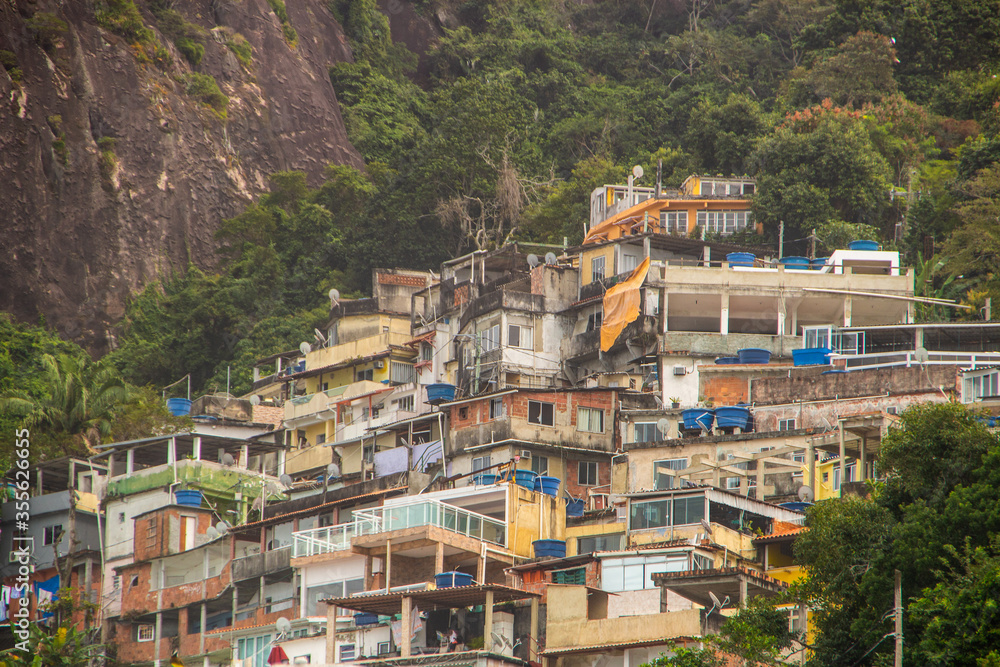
407 629
245 456
918 337
488 624
172 451
129 461
281 462
368 572
707 255
811 464
533 630
848 305
743 591
331 634
760 480
724 315
794 328
843 460
782 314
388 564
862 473
201 635
197 448
156 638
439 558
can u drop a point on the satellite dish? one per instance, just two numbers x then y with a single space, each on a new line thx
305 348
551 259
258 503
533 261
637 171
715 600
334 297
283 625
222 527
664 425
707 526
227 459
255 400
212 532
921 355
806 494
320 338
333 470
286 480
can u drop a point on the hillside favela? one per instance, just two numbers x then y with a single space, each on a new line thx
451 333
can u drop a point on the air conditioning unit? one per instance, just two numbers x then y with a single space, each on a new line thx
525 454
680 370
379 364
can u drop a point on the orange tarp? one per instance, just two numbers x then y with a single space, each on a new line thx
621 305
602 230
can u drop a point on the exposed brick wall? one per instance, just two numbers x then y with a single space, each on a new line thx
724 390
577 490
268 414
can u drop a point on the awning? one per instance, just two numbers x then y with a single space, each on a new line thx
278 657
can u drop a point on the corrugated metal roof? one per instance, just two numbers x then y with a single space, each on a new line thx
618 645
315 509
456 597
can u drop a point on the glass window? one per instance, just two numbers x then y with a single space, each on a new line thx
590 420
480 463
346 652
587 473
596 269
365 374
629 262
649 514
490 338
540 464
786 424
689 511
674 222
513 335
664 481
588 545
647 432
541 413
496 408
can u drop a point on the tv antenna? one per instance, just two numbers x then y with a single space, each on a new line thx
664 425
227 459
255 400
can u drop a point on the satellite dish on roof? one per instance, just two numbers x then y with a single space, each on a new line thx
333 470
715 600
707 526
222 527
258 503
227 459
320 338
283 625
533 261
664 425
806 494
286 480
305 348
637 171
551 259
334 295
255 400
212 532
920 355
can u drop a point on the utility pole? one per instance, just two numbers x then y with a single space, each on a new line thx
812 244
899 620
781 239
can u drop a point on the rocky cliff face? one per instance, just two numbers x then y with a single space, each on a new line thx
114 170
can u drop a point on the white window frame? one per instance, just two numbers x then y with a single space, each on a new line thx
145 632
646 426
629 263
404 403
541 413
786 424
598 268
523 336
497 409
347 652
585 419
489 338
674 222
52 534
539 464
401 372
480 463
589 466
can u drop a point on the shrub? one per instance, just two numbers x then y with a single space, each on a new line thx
47 29
291 36
55 122
7 59
279 9
241 48
190 49
59 146
203 88
123 18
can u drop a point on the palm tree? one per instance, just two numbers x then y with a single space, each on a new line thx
80 402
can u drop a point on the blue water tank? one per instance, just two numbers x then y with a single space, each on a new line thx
452 579
525 478
732 417
863 245
754 355
440 393
179 407
698 418
741 258
574 507
727 360
485 479
549 548
188 497
547 485
811 356
795 262
819 262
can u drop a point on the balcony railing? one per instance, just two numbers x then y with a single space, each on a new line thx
397 517
911 358
435 513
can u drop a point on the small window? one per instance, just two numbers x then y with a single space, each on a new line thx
590 420
496 408
490 338
629 262
405 403
540 464
52 534
689 511
518 336
595 319
587 473
647 432
320 438
480 463
596 269
402 373
145 632
426 352
383 648
366 374
588 545
663 480
541 413
786 424
463 412
346 652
